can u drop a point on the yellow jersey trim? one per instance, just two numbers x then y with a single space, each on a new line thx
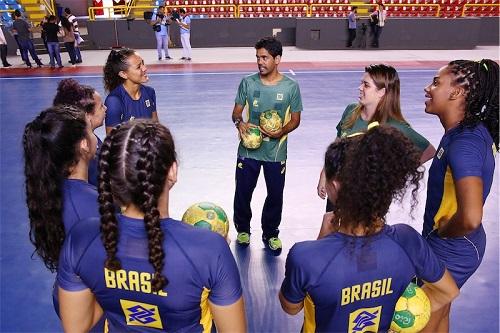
448 206
206 316
309 315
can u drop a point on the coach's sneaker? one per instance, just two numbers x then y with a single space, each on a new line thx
274 244
243 238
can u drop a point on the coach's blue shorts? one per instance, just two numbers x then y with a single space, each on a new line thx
461 255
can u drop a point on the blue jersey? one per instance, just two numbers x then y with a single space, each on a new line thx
93 165
198 265
79 202
462 152
121 107
352 284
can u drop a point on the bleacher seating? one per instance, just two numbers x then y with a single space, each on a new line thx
330 8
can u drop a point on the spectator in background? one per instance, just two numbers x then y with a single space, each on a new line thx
78 40
69 39
23 30
378 18
44 21
160 23
185 27
3 49
351 19
51 29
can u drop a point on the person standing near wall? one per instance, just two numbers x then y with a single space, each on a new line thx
24 30
351 20
378 18
160 23
185 28
3 49
72 19
52 29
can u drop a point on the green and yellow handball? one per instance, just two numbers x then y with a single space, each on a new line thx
252 139
270 121
412 312
209 216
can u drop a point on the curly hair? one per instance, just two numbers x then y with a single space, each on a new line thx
133 163
70 92
50 150
377 167
480 81
389 106
116 62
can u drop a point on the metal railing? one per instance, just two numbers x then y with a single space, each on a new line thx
49 6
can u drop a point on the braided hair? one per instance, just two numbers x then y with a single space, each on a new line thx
133 163
50 145
369 182
480 81
116 62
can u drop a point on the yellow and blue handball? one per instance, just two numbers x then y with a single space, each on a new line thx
412 312
252 139
209 216
270 121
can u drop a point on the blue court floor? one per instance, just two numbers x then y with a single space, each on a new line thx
197 108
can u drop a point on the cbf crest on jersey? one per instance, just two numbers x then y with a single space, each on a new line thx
365 320
141 314
148 103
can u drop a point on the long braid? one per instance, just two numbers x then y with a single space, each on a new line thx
134 162
480 81
109 224
151 175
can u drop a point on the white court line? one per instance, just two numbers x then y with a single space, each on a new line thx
213 73
291 72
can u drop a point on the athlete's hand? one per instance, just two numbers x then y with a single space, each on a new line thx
322 185
327 226
272 135
243 128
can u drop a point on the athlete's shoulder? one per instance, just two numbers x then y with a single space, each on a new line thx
349 109
289 80
197 239
404 235
148 89
84 233
116 93
251 78
80 188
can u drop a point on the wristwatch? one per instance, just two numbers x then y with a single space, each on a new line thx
237 122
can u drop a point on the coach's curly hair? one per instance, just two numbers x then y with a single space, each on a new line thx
133 163
50 145
480 81
377 167
116 62
70 92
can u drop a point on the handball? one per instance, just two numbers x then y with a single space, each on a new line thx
209 216
252 139
412 311
270 121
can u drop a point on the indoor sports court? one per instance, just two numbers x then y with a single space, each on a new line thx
195 101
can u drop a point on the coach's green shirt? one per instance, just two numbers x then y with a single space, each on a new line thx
361 125
284 97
